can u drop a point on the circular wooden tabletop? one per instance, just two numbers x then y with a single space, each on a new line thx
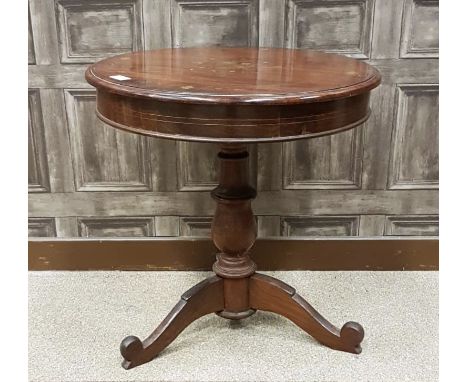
232 94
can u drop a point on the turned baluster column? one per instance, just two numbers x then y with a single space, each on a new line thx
234 230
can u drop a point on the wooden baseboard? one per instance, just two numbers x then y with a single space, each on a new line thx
270 254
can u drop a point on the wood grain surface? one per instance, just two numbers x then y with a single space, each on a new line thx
222 75
232 94
237 291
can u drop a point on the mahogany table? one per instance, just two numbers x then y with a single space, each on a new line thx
234 96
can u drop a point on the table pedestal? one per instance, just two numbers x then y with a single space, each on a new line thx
237 291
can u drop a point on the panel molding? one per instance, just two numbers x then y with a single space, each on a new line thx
44 31
184 166
355 168
144 182
41 227
167 226
86 226
191 154
371 225
268 226
66 7
412 225
199 226
38 168
361 50
67 226
31 49
180 6
126 177
395 181
344 225
407 44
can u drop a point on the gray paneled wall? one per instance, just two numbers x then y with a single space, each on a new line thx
90 180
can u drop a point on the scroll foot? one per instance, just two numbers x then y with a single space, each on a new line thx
270 294
202 299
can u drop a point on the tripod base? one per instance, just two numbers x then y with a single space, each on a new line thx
237 291
263 293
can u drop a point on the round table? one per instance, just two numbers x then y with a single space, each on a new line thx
234 96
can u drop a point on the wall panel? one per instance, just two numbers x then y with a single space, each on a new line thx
41 227
420 37
415 154
31 54
90 180
38 171
116 227
341 26
320 226
197 166
104 158
94 29
195 226
415 225
223 22
327 162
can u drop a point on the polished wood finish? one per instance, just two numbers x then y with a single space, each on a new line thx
233 229
234 96
270 254
270 294
257 292
273 76
238 291
204 298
